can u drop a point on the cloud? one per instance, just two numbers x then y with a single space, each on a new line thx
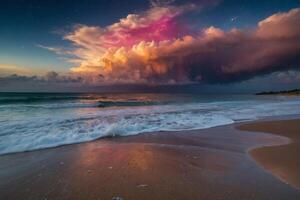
57 50
280 25
289 77
7 69
156 24
156 47
160 3
50 78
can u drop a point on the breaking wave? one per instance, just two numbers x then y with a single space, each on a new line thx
25 127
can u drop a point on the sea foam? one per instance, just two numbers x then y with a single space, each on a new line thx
25 128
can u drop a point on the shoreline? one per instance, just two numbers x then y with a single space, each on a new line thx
281 160
201 164
235 124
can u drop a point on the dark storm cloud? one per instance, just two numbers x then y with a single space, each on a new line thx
52 81
211 56
50 77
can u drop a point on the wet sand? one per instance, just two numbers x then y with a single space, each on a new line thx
203 164
283 160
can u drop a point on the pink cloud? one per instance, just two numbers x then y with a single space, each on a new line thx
159 23
154 48
165 28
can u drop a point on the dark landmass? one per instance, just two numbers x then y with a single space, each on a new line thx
284 92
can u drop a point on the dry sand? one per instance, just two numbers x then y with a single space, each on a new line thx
283 160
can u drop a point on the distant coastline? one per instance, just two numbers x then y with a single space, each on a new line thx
295 92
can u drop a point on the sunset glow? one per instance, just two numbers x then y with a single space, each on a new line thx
161 45
150 99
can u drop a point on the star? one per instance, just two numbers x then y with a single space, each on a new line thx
233 19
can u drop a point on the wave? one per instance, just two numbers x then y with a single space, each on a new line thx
84 104
104 104
39 98
36 100
48 106
34 129
44 134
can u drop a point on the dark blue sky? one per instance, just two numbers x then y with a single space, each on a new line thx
26 24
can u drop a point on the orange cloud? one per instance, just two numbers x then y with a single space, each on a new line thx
154 48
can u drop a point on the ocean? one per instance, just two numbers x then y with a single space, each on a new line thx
30 121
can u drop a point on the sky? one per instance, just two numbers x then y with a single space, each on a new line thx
207 46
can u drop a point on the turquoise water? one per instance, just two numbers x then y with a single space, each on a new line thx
37 120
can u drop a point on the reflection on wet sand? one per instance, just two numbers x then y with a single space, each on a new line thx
208 164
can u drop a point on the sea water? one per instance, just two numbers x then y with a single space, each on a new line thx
30 121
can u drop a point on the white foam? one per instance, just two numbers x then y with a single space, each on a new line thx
30 129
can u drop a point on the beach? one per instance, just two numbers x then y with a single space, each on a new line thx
217 163
150 100
281 160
